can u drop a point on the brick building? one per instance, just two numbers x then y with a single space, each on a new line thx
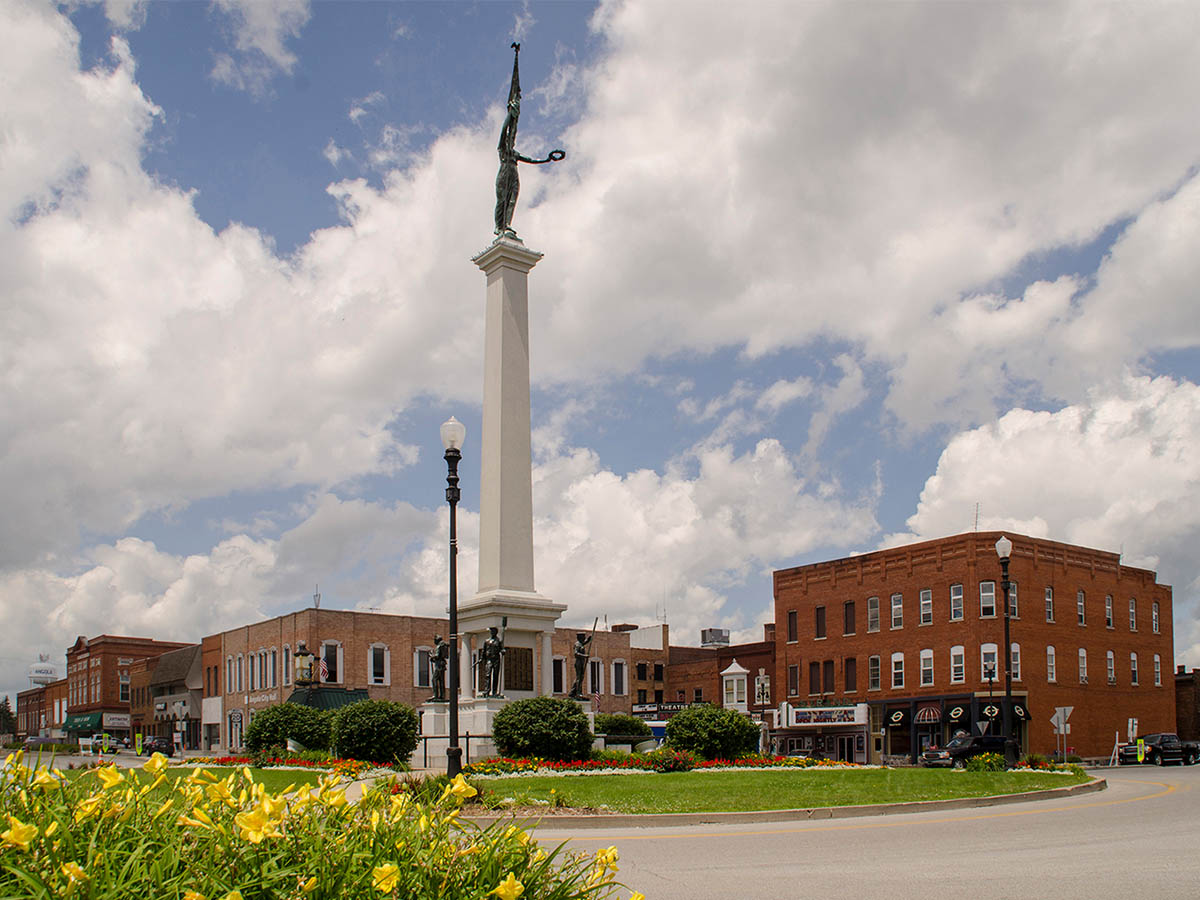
696 675
1187 703
881 654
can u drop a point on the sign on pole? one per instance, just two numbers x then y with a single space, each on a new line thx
1059 719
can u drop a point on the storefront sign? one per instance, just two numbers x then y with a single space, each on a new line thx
991 710
828 715
896 718
116 720
957 712
1019 711
264 698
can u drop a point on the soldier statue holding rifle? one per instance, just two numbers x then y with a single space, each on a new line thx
491 655
582 653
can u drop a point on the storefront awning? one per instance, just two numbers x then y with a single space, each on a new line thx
928 715
83 722
1020 711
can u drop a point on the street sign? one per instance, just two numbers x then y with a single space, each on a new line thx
1059 719
1132 726
1141 750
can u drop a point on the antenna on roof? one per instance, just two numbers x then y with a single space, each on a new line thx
316 596
976 515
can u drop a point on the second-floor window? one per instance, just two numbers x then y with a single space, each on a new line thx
897 670
926 607
958 665
819 622
926 668
1051 668
1133 614
956 602
897 610
1049 604
987 599
873 674
872 614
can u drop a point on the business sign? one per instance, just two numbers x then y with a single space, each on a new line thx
263 698
827 715
116 720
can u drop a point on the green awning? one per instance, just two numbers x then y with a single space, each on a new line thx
327 697
83 721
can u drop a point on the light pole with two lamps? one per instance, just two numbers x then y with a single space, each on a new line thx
1004 551
453 433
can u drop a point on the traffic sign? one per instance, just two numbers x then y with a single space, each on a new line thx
1059 719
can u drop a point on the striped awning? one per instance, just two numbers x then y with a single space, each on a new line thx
928 715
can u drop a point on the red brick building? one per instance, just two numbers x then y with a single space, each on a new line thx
896 647
695 675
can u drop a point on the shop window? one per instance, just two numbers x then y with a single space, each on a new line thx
848 622
872 614
1049 604
873 673
897 610
987 599
926 607
1051 667
956 602
819 622
793 627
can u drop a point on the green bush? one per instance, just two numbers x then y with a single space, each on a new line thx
377 731
619 723
548 727
987 762
273 726
712 732
669 759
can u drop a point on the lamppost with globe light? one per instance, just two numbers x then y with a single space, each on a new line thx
453 433
1004 551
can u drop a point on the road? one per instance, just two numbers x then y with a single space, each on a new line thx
1135 840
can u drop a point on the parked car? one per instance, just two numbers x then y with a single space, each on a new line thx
152 744
956 753
114 743
1161 748
33 742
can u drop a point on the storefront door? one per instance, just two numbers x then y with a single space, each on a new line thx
845 747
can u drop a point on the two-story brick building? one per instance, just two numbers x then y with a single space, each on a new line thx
882 654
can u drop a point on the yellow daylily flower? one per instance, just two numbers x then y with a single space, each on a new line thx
203 817
459 789
87 808
311 885
111 776
637 895
508 889
155 764
384 878
256 825
273 806
220 793
192 823
45 780
193 895
162 809
74 872
18 834
233 895
333 798
52 828
375 820
423 823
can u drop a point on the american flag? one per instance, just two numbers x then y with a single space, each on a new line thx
324 670
596 700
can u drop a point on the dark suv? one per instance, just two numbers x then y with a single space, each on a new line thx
152 744
960 749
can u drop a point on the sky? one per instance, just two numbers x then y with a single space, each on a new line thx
819 278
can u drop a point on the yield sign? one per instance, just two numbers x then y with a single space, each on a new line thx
1059 719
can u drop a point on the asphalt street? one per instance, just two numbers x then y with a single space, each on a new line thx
1138 839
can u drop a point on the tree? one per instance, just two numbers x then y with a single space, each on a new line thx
546 727
377 731
712 732
8 722
273 726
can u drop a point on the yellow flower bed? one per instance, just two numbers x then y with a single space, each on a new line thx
111 834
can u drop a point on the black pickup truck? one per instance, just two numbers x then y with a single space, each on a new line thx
1162 748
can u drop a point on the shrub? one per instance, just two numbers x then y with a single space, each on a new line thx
619 723
273 726
669 759
712 732
542 726
1035 761
377 731
987 762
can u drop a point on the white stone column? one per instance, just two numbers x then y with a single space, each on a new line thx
505 483
547 663
465 681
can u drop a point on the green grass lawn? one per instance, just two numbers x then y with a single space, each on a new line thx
770 789
272 779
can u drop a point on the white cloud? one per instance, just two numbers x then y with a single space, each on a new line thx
1120 472
523 22
261 29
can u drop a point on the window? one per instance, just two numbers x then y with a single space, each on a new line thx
1051 669
850 669
1012 600
274 667
958 664
556 678
596 676
956 603
988 661
1133 675
819 622
262 669
1108 615
658 671
1154 617
926 607
329 666
1049 604
658 695
641 694
1157 671
287 664
926 668
618 677
1079 598
641 671
793 630
897 670
124 681
1110 663
814 678
987 599
872 614
1082 666
873 676
251 680
848 620
897 610
241 664
828 668
698 695
379 665
229 682
1014 661
793 673
1133 614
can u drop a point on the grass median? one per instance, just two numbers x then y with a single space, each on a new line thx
679 792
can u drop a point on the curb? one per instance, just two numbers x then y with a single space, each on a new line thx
666 820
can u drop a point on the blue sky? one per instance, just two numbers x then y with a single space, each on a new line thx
819 278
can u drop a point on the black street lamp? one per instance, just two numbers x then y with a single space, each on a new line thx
1004 551
453 433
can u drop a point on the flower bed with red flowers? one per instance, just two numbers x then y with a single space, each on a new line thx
663 760
348 768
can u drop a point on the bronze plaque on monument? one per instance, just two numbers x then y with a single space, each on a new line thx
518 669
